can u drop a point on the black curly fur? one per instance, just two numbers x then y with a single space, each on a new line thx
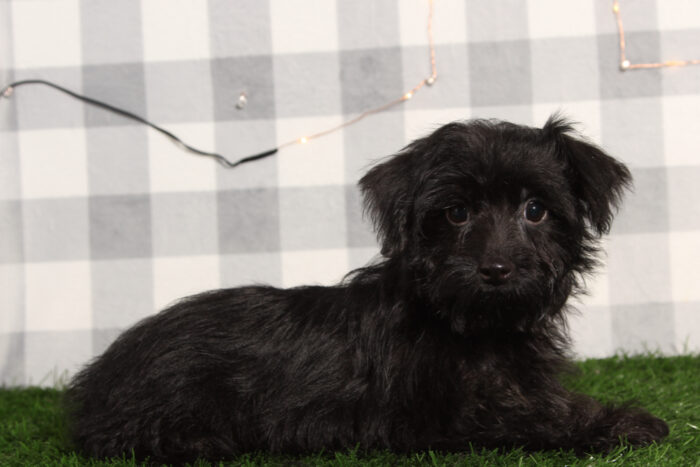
419 350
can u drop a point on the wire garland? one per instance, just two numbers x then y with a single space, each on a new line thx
9 90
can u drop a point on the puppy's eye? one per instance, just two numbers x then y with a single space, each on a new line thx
535 212
458 214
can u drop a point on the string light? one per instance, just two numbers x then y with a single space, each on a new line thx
242 101
430 80
626 64
8 90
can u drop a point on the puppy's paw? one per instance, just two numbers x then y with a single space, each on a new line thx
614 426
639 428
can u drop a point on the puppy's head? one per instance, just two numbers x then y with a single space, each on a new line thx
495 221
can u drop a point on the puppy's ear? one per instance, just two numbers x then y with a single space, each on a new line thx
388 192
598 180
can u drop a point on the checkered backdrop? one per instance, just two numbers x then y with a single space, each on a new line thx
104 221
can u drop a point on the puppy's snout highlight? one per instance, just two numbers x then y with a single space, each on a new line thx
496 272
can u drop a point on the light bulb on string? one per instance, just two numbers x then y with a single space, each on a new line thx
626 64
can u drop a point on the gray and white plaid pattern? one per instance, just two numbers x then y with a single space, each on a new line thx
103 221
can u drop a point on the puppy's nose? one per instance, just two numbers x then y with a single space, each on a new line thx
496 272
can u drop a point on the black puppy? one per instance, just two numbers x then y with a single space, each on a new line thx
455 336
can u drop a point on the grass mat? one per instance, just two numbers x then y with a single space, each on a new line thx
32 429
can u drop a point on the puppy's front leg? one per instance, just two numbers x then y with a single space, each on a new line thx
601 428
541 414
563 419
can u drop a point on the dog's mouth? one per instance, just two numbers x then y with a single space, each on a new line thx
511 296
473 304
461 285
517 295
504 307
514 291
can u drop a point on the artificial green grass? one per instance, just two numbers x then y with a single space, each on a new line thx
32 431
